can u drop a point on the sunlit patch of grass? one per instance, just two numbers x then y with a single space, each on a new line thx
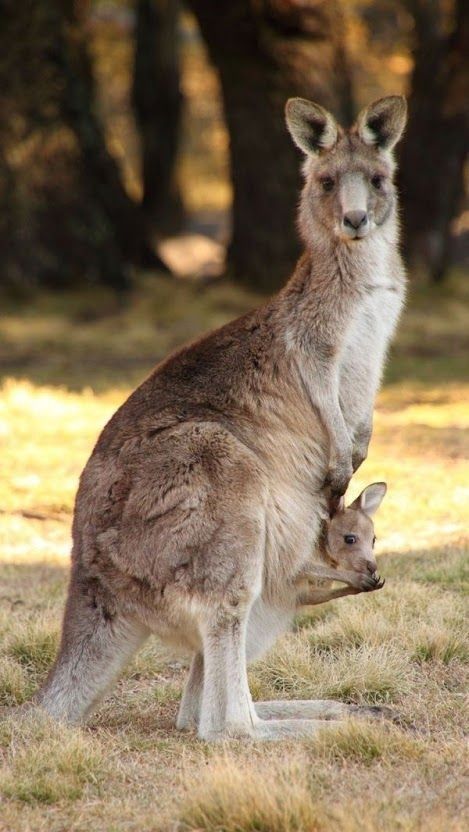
273 798
34 644
47 763
387 813
446 566
15 684
422 621
296 670
27 650
435 643
366 743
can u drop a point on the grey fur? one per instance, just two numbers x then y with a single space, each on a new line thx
204 496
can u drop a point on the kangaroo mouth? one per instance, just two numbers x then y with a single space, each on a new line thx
357 234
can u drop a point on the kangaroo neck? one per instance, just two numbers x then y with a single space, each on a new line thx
330 280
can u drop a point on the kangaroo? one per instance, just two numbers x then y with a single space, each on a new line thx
204 495
346 546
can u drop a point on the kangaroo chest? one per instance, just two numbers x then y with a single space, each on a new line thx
365 347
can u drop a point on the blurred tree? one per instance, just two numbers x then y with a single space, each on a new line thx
266 51
99 167
157 105
65 215
433 155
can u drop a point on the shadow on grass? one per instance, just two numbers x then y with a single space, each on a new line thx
30 585
90 339
446 566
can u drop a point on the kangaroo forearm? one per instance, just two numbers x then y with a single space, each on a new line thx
322 387
318 570
312 597
327 404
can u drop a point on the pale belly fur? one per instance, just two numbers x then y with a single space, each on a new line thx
292 526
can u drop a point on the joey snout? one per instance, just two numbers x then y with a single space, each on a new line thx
366 565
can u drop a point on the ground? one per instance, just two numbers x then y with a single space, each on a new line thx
67 362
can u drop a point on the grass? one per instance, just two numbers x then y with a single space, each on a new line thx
48 763
228 798
67 363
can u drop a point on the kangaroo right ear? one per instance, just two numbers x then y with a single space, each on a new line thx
371 498
382 123
311 127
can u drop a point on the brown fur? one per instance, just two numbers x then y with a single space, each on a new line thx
204 495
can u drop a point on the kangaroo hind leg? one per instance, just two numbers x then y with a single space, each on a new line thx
227 709
94 649
189 709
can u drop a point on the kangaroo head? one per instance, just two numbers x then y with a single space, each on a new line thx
349 190
350 534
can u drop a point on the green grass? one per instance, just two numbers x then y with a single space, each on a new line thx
67 363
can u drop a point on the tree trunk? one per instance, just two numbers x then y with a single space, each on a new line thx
265 52
65 215
99 167
157 104
434 151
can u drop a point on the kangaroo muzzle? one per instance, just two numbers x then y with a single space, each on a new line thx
353 201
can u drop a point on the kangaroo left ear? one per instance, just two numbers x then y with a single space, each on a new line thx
311 127
336 505
371 498
382 123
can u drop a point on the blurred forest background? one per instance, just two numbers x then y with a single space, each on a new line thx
128 123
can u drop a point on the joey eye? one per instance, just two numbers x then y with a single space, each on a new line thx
327 184
350 539
377 181
374 540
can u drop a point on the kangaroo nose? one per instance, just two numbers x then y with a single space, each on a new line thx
355 219
372 566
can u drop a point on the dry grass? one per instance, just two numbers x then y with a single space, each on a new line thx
274 798
46 763
405 645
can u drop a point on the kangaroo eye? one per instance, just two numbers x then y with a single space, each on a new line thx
374 540
377 181
327 183
350 539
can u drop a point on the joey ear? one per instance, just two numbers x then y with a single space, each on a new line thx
371 498
311 127
382 123
336 506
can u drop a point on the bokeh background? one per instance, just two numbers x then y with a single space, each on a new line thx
124 123
148 190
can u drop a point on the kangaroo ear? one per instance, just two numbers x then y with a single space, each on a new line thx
371 498
382 123
336 505
311 127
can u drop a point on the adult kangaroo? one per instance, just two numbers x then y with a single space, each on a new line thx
203 498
